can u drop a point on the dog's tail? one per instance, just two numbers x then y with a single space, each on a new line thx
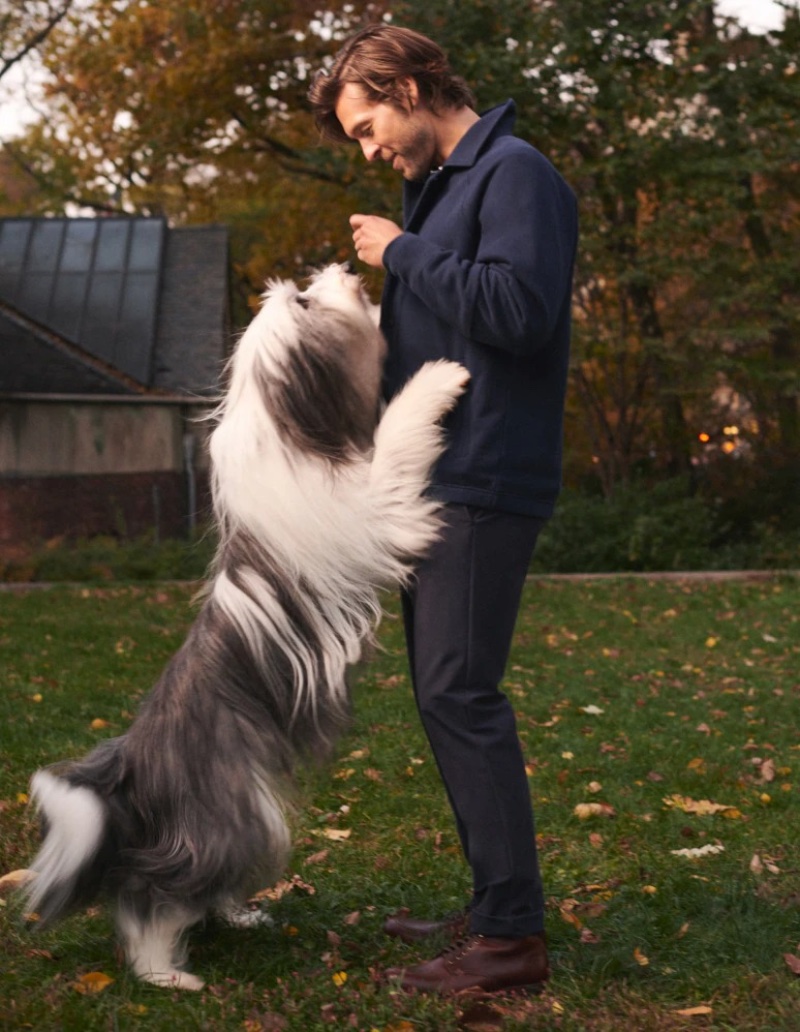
69 868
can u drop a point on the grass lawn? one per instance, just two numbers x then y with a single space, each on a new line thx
654 699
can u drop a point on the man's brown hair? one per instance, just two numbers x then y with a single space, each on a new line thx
380 59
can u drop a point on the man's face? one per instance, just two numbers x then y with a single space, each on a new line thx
405 138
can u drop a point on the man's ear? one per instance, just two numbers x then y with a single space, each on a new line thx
410 91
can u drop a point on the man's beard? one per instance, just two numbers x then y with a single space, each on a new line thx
418 155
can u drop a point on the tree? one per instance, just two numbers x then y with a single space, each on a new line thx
196 110
678 130
25 26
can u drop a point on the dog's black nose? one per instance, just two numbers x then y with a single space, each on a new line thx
349 267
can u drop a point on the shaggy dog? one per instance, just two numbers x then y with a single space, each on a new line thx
318 506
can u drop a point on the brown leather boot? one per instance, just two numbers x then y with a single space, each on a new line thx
412 929
480 964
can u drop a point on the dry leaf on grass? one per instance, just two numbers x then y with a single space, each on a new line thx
701 807
279 889
93 982
695 1012
15 880
586 810
335 834
699 851
792 962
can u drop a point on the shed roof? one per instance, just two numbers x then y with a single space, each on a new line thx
112 304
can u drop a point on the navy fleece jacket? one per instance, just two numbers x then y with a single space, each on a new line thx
482 274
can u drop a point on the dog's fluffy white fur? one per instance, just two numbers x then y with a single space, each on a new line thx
318 506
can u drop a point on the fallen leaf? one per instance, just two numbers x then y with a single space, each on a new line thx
353 918
694 1012
336 834
756 866
767 771
696 853
640 958
593 711
98 724
15 880
792 962
339 977
701 807
586 810
93 982
569 917
280 888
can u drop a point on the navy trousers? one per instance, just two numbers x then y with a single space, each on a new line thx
459 618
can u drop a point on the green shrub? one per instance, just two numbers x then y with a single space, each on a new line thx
111 559
663 527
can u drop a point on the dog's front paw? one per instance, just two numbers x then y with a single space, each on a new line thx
448 380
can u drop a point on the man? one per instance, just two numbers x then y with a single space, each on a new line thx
481 273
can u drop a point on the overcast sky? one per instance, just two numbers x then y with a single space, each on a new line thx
758 15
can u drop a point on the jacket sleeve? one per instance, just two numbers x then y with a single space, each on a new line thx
510 295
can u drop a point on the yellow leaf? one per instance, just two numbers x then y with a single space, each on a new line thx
98 724
93 982
281 887
570 918
697 764
711 642
567 756
693 1012
650 890
702 807
586 810
337 834
640 958
15 880
339 978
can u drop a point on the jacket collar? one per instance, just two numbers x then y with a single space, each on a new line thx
497 121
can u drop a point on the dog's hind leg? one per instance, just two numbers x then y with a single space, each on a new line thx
153 945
